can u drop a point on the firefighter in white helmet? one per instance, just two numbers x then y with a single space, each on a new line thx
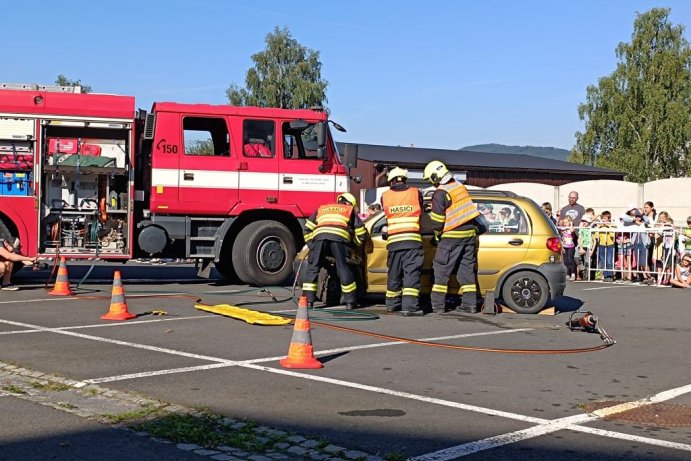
402 205
456 226
329 231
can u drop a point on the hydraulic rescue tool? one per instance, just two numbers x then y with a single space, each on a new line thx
589 323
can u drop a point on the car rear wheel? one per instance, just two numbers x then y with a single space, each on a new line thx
525 292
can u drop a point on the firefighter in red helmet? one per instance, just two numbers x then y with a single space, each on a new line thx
456 227
402 205
329 231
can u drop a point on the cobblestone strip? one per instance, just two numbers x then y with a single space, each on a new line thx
110 406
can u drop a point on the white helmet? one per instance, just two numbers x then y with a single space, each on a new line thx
348 197
397 172
435 171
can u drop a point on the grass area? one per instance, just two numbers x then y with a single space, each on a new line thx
146 411
50 386
66 405
206 430
13 389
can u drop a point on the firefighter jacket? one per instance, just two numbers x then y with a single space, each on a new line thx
402 206
336 222
453 212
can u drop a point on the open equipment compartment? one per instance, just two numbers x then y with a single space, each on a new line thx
85 185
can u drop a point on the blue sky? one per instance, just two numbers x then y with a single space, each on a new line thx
437 74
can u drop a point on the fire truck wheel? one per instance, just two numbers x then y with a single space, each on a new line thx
525 292
263 253
224 266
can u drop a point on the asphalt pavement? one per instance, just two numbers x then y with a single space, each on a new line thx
444 397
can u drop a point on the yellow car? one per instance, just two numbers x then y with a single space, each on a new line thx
519 256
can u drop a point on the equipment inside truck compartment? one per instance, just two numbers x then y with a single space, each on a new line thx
85 187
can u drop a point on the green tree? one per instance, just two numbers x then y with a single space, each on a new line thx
64 81
199 147
285 75
638 119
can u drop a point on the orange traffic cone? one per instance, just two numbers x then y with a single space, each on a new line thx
62 281
118 305
300 353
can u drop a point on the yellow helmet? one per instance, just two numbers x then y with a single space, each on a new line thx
397 172
434 171
348 197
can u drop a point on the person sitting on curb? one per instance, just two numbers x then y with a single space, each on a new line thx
8 257
682 272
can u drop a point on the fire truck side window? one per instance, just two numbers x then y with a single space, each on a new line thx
300 144
206 136
258 138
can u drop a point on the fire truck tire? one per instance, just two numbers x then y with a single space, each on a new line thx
263 253
224 266
525 292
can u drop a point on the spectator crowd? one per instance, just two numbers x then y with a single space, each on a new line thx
641 246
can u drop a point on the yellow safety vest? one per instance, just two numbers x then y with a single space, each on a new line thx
462 209
402 209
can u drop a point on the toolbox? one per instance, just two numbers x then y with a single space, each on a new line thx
16 183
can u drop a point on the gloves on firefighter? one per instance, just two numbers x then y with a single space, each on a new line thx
435 240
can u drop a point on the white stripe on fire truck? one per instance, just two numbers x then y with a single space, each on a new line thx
208 179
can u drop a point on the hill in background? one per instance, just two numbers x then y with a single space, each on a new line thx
554 153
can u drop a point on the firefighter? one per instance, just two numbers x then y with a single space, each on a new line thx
402 205
329 231
456 226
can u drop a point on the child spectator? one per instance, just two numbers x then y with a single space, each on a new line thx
605 245
623 242
547 208
9 256
640 241
585 246
664 247
682 272
686 235
568 243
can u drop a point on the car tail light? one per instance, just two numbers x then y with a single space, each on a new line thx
554 244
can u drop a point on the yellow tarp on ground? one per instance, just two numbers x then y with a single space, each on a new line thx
249 316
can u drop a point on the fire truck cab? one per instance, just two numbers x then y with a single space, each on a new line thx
85 176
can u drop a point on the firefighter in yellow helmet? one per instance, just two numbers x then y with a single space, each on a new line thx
456 226
329 231
402 205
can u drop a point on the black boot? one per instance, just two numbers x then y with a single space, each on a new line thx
416 313
350 306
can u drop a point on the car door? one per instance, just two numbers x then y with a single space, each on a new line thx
506 241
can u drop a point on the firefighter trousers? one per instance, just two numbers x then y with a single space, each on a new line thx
455 254
403 279
319 250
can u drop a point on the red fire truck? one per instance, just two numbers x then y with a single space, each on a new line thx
85 176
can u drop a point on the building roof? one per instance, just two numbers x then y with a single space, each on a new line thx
469 160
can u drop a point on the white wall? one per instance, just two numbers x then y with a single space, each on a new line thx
670 195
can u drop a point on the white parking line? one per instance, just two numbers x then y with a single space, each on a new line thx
133 295
230 363
569 422
543 426
106 325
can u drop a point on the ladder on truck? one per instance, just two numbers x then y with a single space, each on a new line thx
36 87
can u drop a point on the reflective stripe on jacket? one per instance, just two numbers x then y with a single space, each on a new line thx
333 219
402 209
462 209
